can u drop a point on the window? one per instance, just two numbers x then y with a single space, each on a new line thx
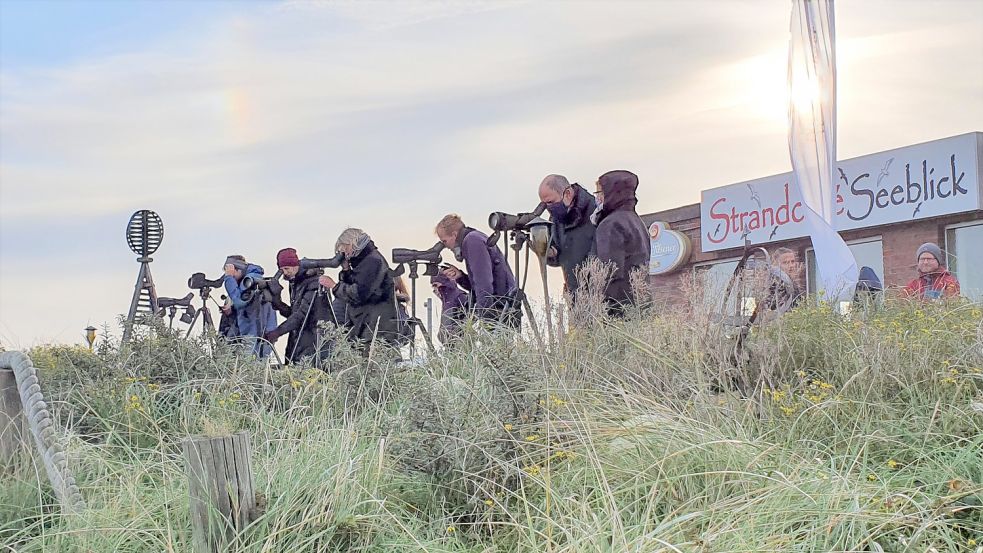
964 253
714 278
868 252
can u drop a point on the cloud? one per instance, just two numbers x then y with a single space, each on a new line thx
282 124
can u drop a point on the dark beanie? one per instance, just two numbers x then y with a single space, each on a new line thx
287 257
932 249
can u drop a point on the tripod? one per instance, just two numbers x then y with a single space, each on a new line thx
429 269
206 315
521 239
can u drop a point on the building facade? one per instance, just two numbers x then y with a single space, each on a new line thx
887 204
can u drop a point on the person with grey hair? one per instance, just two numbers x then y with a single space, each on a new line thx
572 238
366 287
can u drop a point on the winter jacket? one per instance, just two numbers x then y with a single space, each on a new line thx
254 315
453 308
621 237
369 296
572 235
932 286
308 307
488 276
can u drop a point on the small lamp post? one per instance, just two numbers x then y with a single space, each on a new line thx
90 336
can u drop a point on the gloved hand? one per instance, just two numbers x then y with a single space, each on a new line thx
271 336
274 287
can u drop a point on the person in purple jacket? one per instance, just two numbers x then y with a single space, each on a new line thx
453 307
487 276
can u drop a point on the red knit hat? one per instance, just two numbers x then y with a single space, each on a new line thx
287 257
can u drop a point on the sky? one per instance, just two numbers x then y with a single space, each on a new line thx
252 126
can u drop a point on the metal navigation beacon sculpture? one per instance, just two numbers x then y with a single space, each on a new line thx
144 233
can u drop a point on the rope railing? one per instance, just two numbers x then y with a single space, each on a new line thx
44 429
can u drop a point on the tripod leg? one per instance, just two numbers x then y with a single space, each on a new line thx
192 325
207 323
532 323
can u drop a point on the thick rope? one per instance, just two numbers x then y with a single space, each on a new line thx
43 429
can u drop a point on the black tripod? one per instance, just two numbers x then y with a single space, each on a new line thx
429 269
206 315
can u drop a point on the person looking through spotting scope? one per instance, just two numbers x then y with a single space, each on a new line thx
366 287
621 238
487 276
254 315
308 306
572 239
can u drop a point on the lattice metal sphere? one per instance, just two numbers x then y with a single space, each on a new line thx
144 232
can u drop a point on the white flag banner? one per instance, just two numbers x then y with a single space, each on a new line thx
812 140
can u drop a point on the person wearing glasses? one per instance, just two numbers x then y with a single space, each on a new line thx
934 281
621 238
572 236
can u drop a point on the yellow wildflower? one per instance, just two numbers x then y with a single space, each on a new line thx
872 477
508 427
892 464
532 438
451 529
489 502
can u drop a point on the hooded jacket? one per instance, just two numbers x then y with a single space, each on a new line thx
573 236
369 295
489 277
254 317
621 237
934 285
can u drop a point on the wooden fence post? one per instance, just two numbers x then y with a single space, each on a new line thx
220 486
14 440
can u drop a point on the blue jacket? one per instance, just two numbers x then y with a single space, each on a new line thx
254 316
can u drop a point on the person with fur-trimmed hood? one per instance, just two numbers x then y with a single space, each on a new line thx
621 238
254 315
366 287
934 280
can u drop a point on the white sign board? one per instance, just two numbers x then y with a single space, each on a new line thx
915 182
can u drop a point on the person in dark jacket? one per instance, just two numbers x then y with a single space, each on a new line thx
254 315
366 287
621 238
487 275
572 239
309 305
453 307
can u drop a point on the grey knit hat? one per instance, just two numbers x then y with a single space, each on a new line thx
932 249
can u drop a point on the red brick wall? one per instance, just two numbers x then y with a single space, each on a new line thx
900 241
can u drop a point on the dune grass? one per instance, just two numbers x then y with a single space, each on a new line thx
846 434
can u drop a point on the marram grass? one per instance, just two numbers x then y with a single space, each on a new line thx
860 434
